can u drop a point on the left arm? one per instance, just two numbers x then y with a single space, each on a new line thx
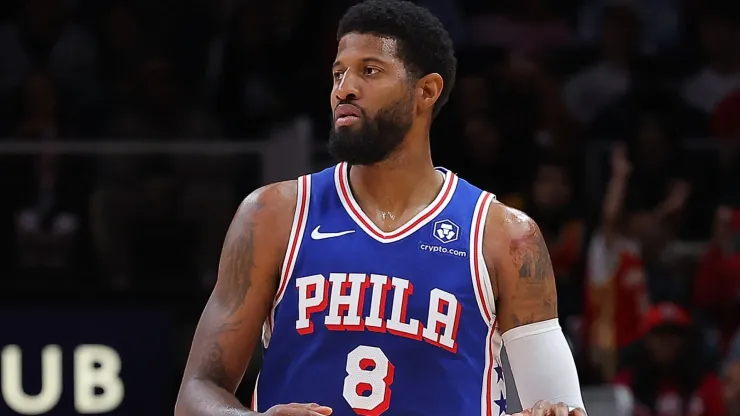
526 309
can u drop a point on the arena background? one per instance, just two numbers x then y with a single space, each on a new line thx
130 131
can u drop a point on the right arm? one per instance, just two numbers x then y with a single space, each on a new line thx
231 323
615 193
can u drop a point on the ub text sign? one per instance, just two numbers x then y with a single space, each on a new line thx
85 361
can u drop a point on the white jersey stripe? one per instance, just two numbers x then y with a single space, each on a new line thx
478 269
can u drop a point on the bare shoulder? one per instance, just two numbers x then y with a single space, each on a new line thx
271 202
520 267
512 234
267 211
257 239
510 223
269 208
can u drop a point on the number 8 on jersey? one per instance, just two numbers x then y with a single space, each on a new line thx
368 381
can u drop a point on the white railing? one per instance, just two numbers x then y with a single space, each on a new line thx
286 154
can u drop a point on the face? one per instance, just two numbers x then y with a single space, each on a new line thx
373 100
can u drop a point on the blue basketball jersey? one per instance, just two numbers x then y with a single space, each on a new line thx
375 323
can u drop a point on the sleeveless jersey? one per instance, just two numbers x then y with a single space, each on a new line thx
376 323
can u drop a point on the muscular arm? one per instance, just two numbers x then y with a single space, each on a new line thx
526 309
520 268
231 323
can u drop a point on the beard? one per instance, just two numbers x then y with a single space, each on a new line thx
374 140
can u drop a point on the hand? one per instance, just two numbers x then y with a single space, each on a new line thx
298 409
620 163
544 408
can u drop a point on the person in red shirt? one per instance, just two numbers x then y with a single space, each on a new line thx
667 375
717 283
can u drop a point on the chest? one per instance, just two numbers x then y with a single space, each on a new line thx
419 287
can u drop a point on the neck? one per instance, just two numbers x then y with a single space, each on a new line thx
404 181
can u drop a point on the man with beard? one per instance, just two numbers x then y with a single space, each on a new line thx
382 285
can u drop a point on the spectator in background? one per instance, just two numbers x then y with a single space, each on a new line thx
246 95
623 257
40 111
46 39
47 232
484 156
725 121
532 113
663 18
656 187
122 44
615 289
595 87
658 167
527 28
717 283
154 211
47 189
667 373
720 44
262 50
551 201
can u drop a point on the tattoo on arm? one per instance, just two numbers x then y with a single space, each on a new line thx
211 366
237 260
535 294
234 281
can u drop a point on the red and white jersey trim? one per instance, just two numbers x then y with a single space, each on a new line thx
492 388
254 403
341 180
478 269
294 244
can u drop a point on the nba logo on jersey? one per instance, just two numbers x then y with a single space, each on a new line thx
374 323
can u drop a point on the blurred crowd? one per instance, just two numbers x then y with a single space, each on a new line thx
612 123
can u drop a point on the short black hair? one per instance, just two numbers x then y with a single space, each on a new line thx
422 42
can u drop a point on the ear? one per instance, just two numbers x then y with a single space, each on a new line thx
428 89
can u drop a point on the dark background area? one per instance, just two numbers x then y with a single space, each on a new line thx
131 130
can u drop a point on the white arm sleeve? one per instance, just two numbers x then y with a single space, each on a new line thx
542 364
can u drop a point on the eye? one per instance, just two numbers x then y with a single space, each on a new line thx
370 71
337 75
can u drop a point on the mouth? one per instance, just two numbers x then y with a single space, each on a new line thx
346 114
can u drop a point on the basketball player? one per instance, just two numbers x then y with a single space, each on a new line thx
382 285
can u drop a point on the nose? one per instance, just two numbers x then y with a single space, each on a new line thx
346 89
